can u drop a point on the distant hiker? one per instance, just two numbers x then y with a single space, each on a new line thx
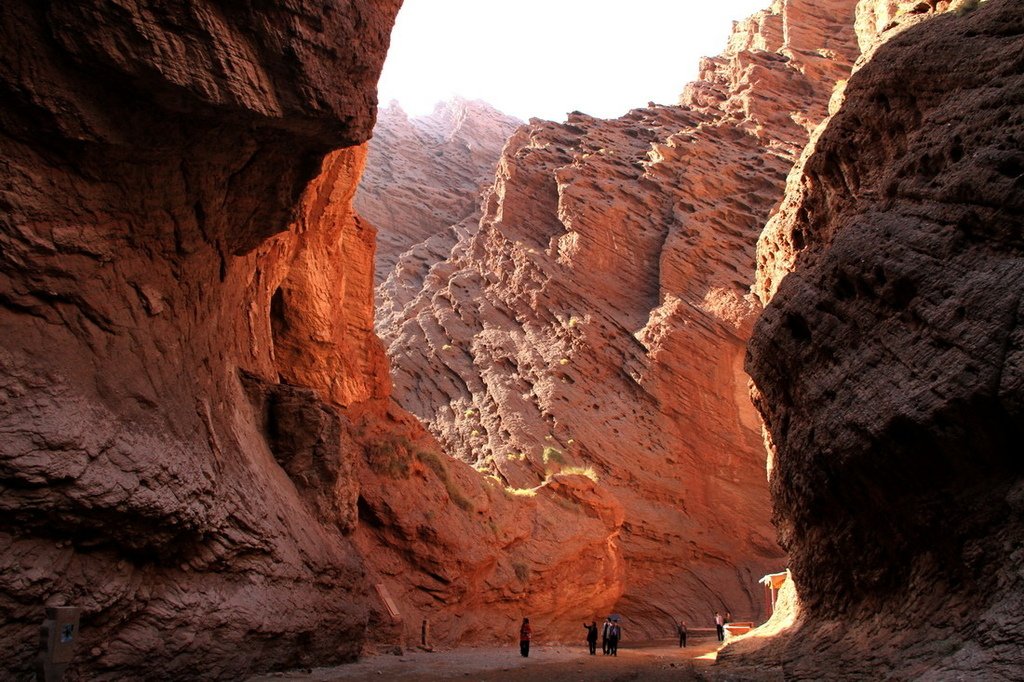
592 637
524 637
728 617
604 636
681 629
720 626
614 633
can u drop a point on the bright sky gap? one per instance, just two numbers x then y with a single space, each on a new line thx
544 58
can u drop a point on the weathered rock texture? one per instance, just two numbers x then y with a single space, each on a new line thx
598 314
456 548
198 446
425 174
890 362
171 453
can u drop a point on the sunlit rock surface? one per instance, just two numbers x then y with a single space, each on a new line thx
888 361
198 445
449 544
164 170
596 317
425 173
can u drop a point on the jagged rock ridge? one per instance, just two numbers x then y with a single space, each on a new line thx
198 445
425 173
597 316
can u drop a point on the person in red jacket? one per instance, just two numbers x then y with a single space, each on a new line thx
524 637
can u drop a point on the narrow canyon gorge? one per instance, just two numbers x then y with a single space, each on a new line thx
593 320
273 393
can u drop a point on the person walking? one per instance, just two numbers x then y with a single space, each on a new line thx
720 626
525 631
604 636
592 637
681 628
614 634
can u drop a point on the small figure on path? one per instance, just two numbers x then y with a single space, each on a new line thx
592 637
614 633
681 629
720 626
604 636
728 617
524 637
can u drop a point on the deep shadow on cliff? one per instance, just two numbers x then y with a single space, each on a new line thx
199 448
197 442
160 464
890 365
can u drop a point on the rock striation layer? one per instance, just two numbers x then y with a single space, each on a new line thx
888 361
171 212
198 446
425 174
595 320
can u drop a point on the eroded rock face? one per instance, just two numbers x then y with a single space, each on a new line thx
888 362
597 316
149 155
425 174
199 448
456 548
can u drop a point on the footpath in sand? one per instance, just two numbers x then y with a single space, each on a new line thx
654 661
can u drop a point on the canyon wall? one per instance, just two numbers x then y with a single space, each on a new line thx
199 449
198 445
172 460
425 173
594 321
888 361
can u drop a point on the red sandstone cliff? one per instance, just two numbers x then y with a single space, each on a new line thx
197 444
597 316
425 174
198 447
888 361
171 459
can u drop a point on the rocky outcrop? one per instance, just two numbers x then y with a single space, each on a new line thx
472 557
425 174
888 362
171 458
596 318
198 446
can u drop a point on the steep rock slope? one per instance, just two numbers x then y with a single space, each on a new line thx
170 461
198 445
888 362
425 174
597 316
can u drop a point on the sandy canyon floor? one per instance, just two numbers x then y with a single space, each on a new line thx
654 661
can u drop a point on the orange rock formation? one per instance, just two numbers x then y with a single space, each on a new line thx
597 316
160 465
425 174
198 445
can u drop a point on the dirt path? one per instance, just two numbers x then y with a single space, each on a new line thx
654 661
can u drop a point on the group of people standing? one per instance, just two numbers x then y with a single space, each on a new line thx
610 635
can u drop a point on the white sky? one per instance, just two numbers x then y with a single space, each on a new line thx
545 58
